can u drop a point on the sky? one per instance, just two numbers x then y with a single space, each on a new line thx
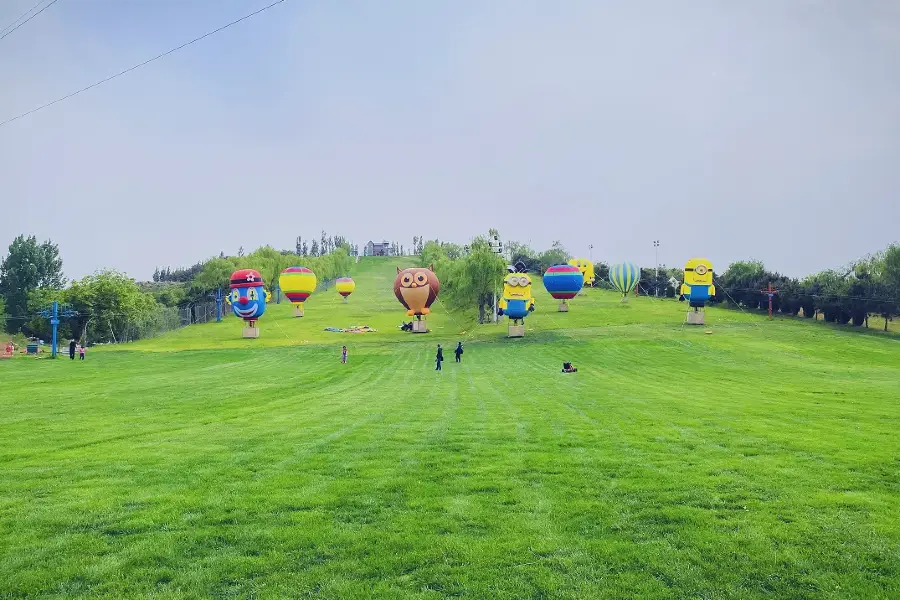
730 130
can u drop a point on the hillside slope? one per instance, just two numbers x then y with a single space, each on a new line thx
374 304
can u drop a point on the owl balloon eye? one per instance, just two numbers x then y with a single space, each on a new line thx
407 279
420 278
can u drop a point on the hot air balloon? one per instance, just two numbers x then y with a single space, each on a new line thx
624 277
344 286
587 269
248 299
563 282
516 302
698 288
417 288
297 283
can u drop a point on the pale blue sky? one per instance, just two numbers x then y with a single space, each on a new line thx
768 128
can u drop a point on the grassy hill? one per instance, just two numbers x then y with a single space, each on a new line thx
759 461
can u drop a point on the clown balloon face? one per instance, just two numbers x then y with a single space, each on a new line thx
248 296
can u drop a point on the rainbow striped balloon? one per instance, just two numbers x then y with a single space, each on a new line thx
344 286
297 283
624 276
563 281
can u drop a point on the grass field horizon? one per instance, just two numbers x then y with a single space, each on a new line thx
759 461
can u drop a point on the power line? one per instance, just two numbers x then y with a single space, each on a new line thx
139 65
28 19
19 18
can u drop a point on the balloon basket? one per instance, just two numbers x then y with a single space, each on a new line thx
298 311
345 299
563 307
696 317
251 332
516 331
420 326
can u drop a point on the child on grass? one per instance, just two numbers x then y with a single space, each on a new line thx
344 355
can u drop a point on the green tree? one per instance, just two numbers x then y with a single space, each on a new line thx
216 274
111 307
29 265
556 255
467 282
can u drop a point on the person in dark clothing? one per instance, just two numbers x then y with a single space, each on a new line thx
439 358
458 351
72 349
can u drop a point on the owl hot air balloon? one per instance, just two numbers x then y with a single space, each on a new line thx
624 277
344 286
417 288
563 282
297 283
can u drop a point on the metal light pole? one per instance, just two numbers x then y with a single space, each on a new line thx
656 253
497 247
591 252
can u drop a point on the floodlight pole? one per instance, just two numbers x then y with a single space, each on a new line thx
497 247
219 305
656 251
591 252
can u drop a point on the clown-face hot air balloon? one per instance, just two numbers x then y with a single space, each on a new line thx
563 282
297 283
344 286
417 288
624 277
248 298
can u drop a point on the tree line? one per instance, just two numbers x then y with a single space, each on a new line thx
110 305
31 277
850 295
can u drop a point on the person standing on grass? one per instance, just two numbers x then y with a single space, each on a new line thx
439 358
458 351
72 346
81 351
344 355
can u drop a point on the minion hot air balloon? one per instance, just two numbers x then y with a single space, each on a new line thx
344 287
516 301
563 282
624 277
248 299
297 283
698 288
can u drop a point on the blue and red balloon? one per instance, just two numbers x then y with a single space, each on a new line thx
563 282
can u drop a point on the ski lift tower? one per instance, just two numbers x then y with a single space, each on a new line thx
54 313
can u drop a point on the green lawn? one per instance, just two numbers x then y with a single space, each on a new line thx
761 461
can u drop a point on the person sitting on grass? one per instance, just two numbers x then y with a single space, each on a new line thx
569 368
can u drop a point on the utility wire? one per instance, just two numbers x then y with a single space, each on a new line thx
139 65
13 24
